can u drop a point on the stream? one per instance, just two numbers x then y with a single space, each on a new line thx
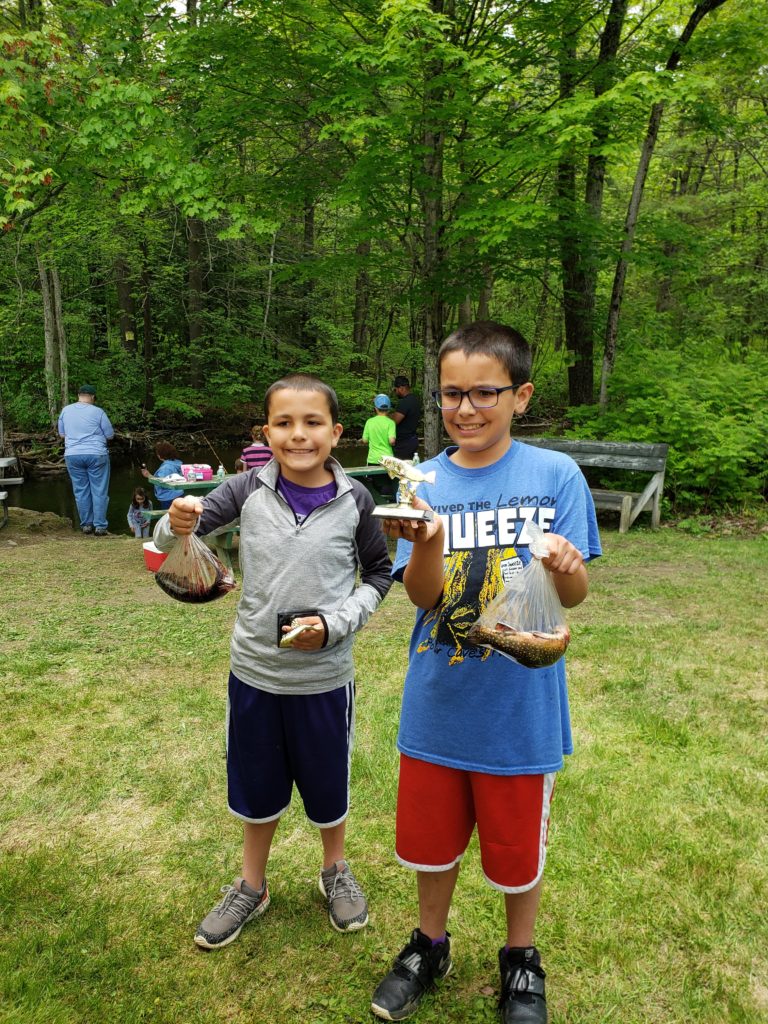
54 493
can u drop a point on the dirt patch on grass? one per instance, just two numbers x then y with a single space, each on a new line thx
26 526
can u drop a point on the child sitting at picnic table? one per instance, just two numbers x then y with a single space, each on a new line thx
305 531
170 466
481 737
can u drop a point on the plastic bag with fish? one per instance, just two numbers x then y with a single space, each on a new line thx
526 621
192 572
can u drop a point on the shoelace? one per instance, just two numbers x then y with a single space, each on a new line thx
235 903
345 885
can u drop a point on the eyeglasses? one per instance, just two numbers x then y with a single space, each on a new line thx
479 398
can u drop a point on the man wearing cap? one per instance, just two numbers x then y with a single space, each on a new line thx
86 429
379 431
407 416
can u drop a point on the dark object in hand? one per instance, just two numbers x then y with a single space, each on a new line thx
193 574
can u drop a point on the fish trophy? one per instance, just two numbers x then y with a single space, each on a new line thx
409 477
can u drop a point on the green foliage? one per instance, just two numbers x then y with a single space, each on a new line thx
709 407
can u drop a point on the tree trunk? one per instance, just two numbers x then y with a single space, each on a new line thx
52 389
268 296
357 363
99 312
195 238
148 339
61 337
307 330
431 198
126 305
484 299
630 222
579 260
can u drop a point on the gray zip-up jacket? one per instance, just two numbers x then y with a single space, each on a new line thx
288 567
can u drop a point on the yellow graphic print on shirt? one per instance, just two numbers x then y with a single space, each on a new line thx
453 617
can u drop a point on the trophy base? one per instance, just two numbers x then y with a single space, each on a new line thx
403 512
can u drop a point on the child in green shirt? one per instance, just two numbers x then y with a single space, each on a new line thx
379 431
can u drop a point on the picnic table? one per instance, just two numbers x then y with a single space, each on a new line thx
222 540
7 463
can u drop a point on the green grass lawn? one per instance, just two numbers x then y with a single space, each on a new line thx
115 838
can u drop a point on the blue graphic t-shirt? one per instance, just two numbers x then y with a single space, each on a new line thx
469 707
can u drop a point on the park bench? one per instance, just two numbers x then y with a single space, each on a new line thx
620 455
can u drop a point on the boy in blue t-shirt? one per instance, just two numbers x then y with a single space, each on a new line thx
481 738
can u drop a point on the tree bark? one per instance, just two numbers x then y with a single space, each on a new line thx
126 305
307 330
148 339
61 337
195 238
357 363
268 296
630 222
431 199
51 348
579 261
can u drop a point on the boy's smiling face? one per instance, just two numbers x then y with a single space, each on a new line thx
481 434
301 433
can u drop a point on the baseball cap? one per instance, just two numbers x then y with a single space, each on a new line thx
401 382
382 402
86 389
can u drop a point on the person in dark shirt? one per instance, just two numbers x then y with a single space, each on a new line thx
407 416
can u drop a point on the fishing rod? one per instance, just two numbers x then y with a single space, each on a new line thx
218 459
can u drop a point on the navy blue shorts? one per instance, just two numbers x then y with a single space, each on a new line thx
274 740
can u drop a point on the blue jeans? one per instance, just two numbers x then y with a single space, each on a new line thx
90 482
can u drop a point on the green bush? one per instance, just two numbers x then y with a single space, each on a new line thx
709 407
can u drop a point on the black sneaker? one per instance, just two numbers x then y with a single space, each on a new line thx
415 970
101 532
523 1000
87 528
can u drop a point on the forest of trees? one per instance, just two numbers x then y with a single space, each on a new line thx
195 198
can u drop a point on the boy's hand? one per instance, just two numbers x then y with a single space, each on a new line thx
563 557
183 515
418 531
310 639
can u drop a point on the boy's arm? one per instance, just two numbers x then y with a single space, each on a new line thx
375 574
424 575
201 516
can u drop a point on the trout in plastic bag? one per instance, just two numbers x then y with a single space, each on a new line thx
532 650
192 573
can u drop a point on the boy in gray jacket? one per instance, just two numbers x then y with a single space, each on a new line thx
305 529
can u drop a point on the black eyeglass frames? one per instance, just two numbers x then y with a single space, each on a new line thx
479 398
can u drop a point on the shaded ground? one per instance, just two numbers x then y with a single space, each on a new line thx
25 526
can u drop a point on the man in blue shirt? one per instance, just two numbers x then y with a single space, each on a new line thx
86 429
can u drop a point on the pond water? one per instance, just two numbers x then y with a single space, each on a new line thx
54 493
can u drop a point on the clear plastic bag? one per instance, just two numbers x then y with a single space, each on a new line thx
192 573
526 622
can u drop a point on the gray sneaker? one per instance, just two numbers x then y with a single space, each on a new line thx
226 920
347 906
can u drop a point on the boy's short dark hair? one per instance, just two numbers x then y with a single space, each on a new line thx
487 338
303 382
401 382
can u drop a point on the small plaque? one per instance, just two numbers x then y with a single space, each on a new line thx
409 477
403 512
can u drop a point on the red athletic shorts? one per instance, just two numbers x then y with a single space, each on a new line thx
438 807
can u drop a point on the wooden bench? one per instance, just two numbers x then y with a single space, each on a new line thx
632 456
